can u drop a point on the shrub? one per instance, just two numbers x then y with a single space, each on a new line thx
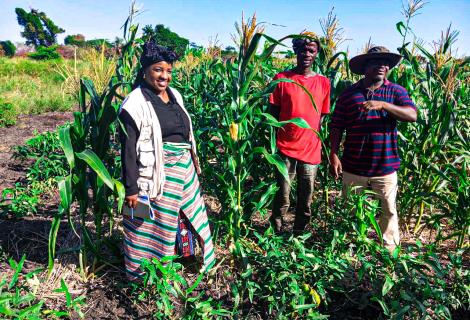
75 40
7 114
45 53
67 52
97 43
8 48
22 50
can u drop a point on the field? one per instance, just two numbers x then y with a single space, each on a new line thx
30 87
61 245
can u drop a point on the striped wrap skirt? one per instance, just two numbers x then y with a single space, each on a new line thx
155 238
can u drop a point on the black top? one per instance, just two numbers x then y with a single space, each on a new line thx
174 125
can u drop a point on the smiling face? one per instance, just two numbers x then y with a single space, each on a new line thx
376 69
158 75
306 55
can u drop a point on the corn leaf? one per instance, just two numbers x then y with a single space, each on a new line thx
66 143
97 165
274 159
119 189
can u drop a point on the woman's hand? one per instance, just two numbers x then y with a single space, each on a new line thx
131 201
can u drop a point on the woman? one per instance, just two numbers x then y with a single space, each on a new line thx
159 164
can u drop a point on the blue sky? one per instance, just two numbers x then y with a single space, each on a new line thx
202 20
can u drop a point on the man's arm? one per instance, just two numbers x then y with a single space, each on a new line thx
401 113
336 168
407 113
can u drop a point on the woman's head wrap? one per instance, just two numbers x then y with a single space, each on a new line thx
154 53
299 43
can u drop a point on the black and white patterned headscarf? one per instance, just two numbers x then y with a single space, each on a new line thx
154 53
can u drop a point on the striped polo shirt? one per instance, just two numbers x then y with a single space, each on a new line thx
370 148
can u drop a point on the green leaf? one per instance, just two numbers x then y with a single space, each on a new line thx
97 165
195 284
31 312
272 85
300 122
383 305
429 55
66 143
371 215
401 28
388 285
305 306
121 193
65 192
251 51
274 159
18 269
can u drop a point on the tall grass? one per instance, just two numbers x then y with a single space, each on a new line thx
33 87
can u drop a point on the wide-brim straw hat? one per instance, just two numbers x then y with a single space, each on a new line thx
357 64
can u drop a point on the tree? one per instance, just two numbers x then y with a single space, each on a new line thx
75 40
148 32
39 30
8 48
165 37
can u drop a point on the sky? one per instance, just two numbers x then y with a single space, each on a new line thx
202 21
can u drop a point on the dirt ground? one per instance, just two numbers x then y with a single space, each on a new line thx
29 236
26 128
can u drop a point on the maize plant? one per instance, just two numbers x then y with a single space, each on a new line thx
90 148
441 134
235 131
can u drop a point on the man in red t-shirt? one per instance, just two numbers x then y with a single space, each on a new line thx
299 148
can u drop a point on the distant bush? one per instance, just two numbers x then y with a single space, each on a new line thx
22 50
97 43
7 114
45 53
67 51
75 40
8 48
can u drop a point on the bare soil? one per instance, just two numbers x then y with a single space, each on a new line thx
27 127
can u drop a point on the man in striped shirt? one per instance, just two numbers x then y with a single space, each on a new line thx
368 111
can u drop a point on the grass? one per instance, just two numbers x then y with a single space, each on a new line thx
32 87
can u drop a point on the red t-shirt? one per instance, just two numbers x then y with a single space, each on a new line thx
293 141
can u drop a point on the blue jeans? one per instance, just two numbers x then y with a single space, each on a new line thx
306 174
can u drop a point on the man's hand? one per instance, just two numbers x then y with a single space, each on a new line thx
373 105
336 168
401 113
131 201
